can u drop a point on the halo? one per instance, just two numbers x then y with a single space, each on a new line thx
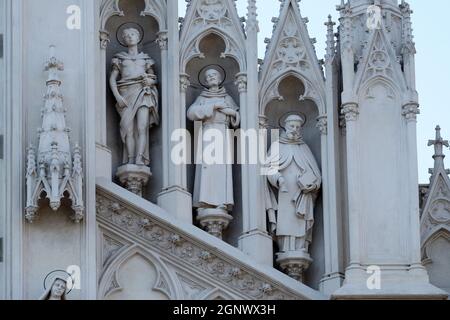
293 113
220 69
59 274
128 25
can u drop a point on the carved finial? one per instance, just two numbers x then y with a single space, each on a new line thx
439 155
53 65
409 47
252 16
53 174
331 43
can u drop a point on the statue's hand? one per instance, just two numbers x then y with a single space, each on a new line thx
150 81
310 188
229 112
273 228
282 184
121 102
218 107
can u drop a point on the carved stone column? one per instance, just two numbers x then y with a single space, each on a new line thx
410 112
174 197
351 113
102 152
255 239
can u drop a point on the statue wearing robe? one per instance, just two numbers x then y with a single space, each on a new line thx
292 189
218 112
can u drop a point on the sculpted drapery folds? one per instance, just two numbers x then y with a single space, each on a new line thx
292 188
137 98
217 111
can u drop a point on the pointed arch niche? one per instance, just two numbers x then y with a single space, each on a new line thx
212 49
292 94
150 18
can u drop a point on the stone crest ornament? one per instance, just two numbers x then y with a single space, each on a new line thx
54 170
212 10
295 175
213 193
133 83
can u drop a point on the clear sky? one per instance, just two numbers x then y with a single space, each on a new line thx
432 67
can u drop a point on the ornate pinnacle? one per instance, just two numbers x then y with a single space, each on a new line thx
439 155
252 16
331 43
53 65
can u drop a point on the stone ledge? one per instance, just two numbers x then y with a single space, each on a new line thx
209 252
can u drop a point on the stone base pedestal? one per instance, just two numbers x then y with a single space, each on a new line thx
394 282
134 178
214 221
177 202
251 244
103 160
294 263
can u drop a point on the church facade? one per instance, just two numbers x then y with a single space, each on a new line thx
152 157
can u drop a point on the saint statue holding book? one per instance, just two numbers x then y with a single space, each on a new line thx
293 184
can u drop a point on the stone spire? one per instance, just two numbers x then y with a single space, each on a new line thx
439 155
252 17
55 172
331 42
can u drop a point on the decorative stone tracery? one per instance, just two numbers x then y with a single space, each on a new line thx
54 170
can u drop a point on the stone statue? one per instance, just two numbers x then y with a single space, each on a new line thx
213 194
137 104
296 177
57 291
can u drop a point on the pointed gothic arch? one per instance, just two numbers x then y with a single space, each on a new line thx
225 23
271 92
111 283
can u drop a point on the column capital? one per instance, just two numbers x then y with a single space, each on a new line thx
104 39
241 82
350 111
322 124
410 111
184 82
263 122
162 40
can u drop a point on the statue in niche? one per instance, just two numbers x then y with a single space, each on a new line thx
213 193
133 83
295 175
57 291
137 98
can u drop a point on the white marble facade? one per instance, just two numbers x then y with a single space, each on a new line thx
338 206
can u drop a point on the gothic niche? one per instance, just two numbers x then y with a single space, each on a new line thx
133 99
212 102
297 249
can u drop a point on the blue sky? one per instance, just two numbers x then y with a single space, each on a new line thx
432 66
